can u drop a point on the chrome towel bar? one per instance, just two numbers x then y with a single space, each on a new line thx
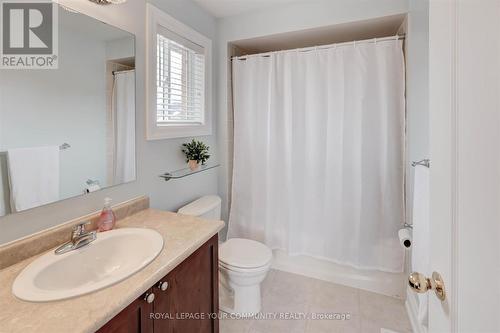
64 146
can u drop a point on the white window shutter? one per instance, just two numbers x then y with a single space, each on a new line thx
180 83
178 78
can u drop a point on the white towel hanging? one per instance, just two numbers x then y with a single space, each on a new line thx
33 176
420 253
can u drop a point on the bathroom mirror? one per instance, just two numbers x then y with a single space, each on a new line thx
69 131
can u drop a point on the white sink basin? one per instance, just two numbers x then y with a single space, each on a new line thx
112 257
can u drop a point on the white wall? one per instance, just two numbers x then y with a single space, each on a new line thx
417 100
273 20
153 157
120 49
417 90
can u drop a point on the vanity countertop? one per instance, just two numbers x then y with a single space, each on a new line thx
182 236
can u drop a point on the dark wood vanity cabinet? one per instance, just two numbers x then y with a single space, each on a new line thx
134 318
189 304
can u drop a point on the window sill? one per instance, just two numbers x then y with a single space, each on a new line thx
175 131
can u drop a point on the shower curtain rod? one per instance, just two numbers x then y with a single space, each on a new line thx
322 47
124 71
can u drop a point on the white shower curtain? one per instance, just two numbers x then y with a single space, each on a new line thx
319 153
124 124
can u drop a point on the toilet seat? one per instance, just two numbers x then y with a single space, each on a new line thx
240 254
255 270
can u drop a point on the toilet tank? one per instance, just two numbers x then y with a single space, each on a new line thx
207 207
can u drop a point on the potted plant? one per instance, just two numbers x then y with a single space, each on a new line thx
196 152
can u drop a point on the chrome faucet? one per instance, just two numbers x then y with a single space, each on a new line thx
79 238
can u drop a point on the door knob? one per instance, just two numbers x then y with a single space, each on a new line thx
149 297
162 285
420 283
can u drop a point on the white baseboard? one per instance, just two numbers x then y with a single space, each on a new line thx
412 310
390 284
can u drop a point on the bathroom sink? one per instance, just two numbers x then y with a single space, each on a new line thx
111 258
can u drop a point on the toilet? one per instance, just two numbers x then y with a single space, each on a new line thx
243 263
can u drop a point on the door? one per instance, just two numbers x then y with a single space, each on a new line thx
191 298
135 318
464 90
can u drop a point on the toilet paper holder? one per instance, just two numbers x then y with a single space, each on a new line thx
405 236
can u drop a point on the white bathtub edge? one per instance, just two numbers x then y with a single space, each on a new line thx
389 284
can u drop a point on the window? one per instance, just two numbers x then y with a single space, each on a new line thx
179 74
180 83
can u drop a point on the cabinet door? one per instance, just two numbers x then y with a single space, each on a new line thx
191 298
135 318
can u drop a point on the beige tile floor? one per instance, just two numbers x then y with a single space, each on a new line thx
290 293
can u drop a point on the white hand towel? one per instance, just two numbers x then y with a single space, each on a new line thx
420 253
33 176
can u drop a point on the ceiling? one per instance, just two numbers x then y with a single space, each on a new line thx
223 8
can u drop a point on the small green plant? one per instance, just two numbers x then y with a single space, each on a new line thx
196 151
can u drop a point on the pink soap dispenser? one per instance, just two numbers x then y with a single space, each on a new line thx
107 219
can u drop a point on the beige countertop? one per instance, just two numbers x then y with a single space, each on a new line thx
182 236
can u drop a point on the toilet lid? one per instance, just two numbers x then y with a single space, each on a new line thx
244 253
